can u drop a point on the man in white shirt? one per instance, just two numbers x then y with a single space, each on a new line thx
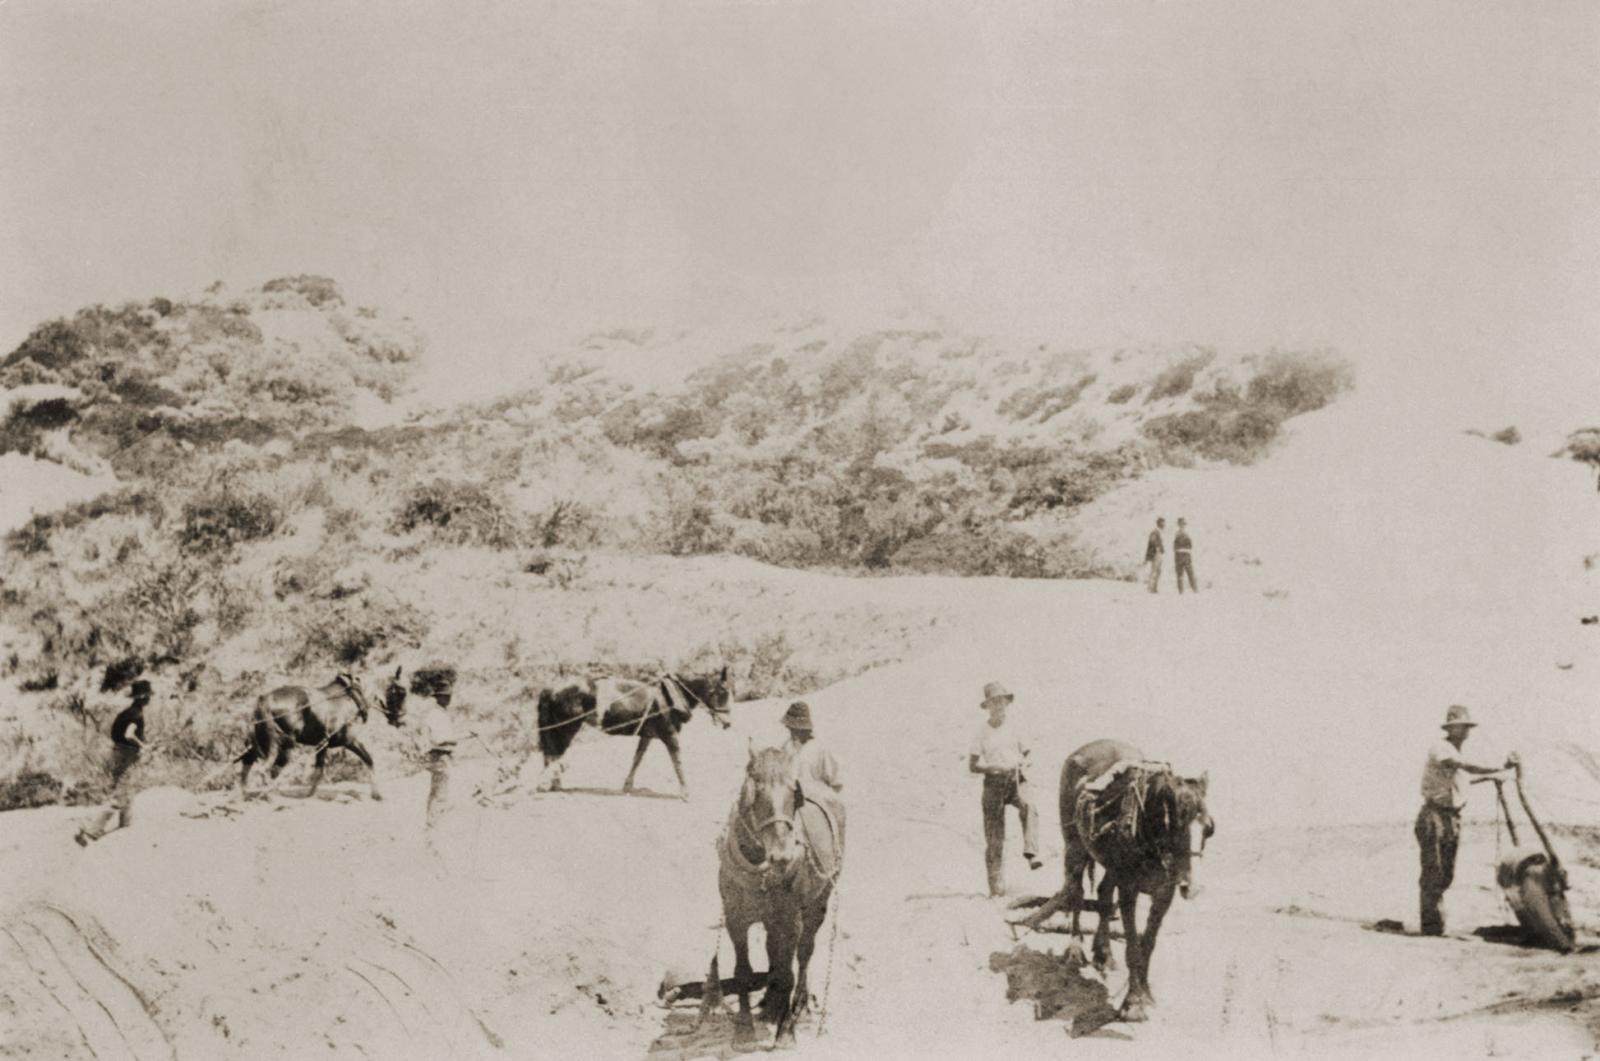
1438 828
815 765
1001 757
440 734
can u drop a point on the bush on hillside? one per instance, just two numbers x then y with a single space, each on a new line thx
351 631
225 516
1123 394
1238 428
462 513
24 429
1174 382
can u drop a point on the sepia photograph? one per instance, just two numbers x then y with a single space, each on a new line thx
493 495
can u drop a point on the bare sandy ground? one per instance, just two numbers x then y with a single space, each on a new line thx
1308 689
323 928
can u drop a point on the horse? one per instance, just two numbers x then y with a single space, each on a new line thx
647 710
321 718
778 861
1144 828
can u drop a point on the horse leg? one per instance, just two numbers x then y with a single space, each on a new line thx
317 768
638 756
780 979
1103 958
1076 866
1138 996
811 923
360 752
670 739
256 748
745 1029
1160 902
282 743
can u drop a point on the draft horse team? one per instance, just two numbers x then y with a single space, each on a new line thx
782 849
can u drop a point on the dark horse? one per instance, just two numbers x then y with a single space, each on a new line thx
647 710
321 718
779 856
1145 827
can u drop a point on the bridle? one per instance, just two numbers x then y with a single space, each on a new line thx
719 715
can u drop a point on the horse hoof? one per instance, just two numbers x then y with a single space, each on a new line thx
377 797
1074 955
1135 1010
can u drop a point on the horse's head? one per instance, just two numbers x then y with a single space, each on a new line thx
352 689
767 806
1196 826
394 700
715 691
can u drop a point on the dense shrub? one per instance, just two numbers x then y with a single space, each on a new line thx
462 513
223 517
1175 381
353 630
1122 394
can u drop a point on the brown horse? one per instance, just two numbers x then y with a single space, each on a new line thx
779 858
320 718
1145 828
648 710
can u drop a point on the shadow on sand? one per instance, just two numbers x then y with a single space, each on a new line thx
1058 989
638 793
684 1035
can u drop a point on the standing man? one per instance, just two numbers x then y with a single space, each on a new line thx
127 743
816 765
1001 756
440 734
1182 563
1153 552
1438 828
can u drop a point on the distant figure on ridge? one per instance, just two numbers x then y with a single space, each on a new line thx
813 762
1153 552
1001 756
1182 560
127 743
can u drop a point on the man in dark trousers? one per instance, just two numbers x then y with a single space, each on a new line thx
1182 561
1438 827
1000 755
1153 551
127 743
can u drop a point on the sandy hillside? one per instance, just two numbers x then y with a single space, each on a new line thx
1347 599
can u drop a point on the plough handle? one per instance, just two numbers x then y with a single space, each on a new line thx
1500 794
1550 852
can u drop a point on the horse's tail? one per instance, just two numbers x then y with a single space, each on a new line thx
548 742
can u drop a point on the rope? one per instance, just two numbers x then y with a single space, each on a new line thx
833 947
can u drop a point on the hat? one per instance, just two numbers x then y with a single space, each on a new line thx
1457 716
798 716
995 691
138 689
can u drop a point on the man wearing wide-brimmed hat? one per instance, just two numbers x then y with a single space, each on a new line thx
1438 827
816 765
1001 756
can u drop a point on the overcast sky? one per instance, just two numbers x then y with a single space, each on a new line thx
1416 183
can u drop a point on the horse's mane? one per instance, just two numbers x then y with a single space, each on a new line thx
1171 802
771 766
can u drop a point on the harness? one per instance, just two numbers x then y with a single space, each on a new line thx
729 843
